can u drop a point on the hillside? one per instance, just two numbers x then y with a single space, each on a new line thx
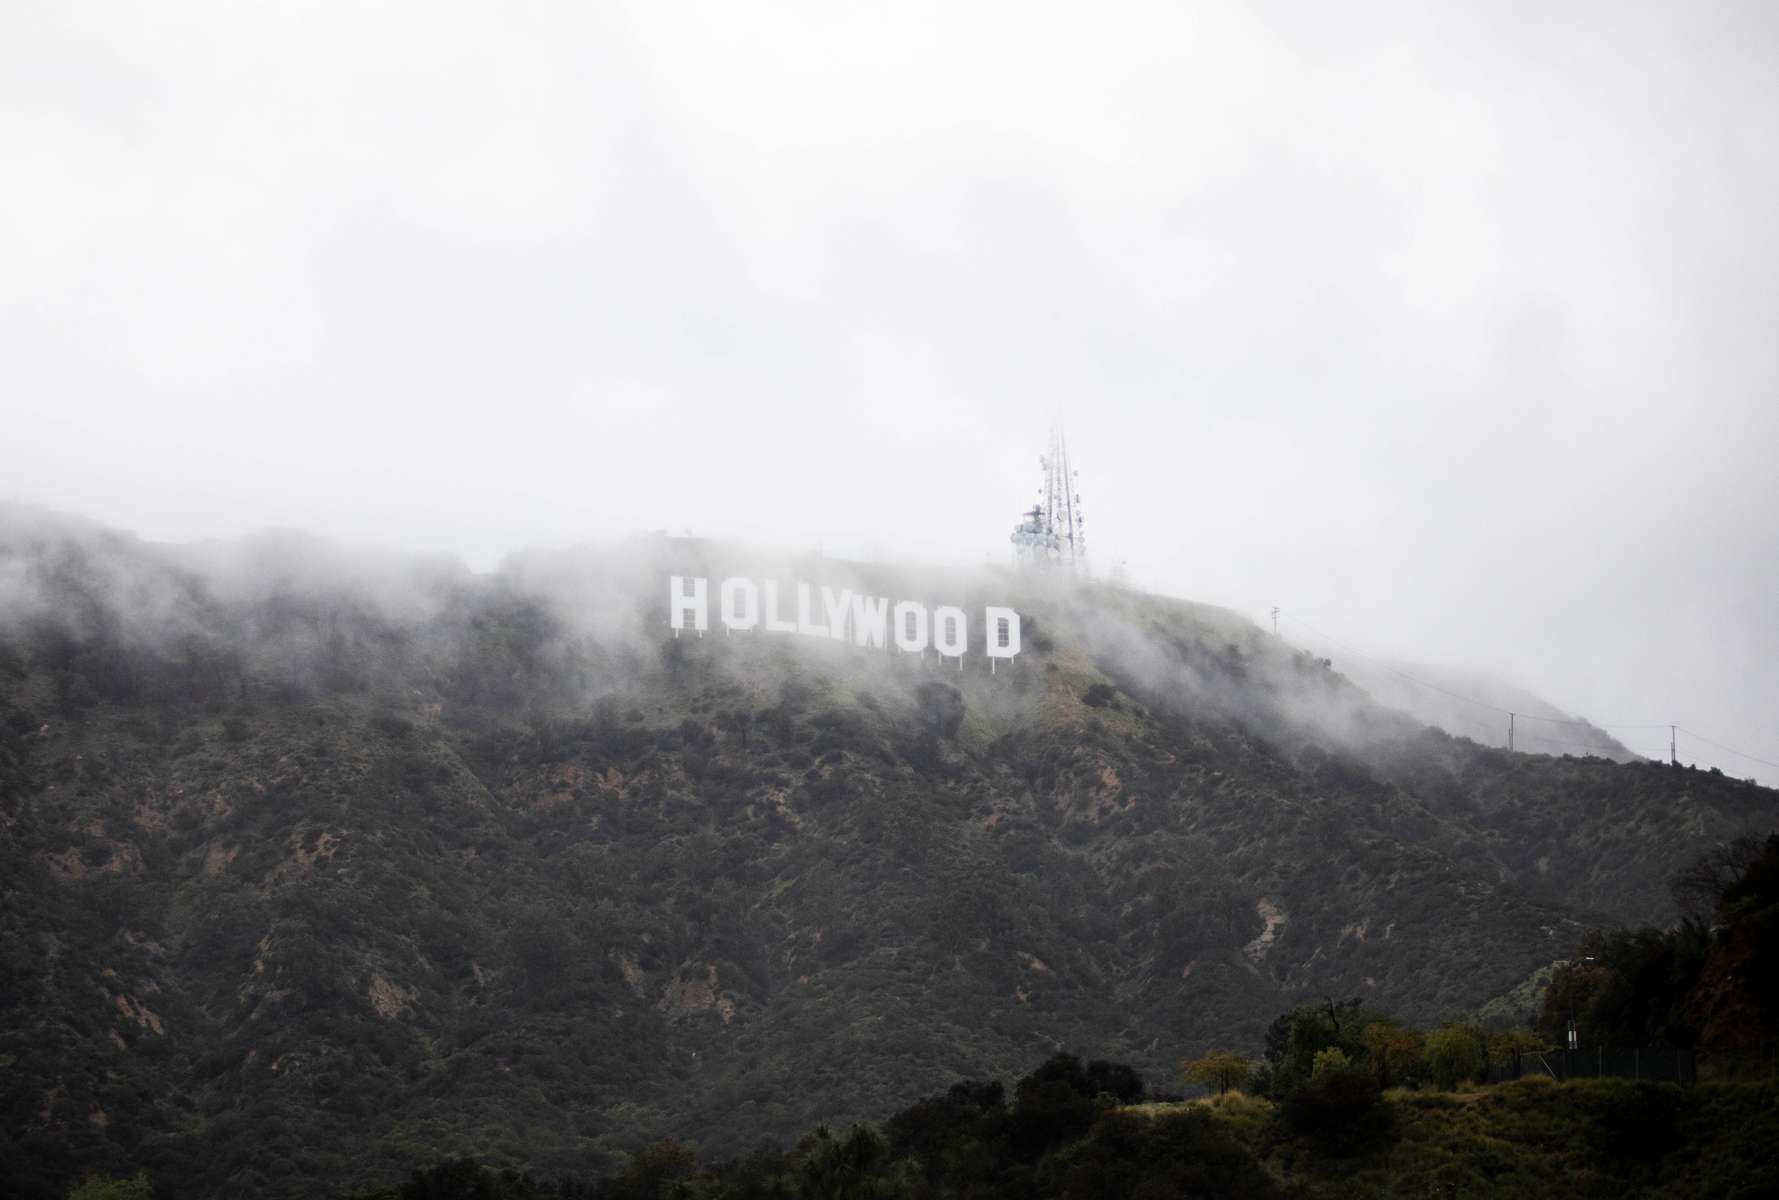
1455 700
1528 1140
320 865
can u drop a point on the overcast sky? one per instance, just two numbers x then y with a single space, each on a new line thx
1456 335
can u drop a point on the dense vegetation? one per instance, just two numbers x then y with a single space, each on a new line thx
1711 981
314 869
1063 1132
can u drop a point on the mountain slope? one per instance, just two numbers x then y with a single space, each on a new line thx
1437 696
322 865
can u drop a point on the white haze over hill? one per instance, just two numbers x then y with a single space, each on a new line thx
1448 332
1477 707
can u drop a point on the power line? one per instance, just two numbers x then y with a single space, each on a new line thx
1727 749
1593 746
1592 724
1511 715
1506 712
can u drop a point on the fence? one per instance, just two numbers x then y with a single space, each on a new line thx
1754 1061
1657 1063
1661 1064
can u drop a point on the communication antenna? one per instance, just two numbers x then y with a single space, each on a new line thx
1054 531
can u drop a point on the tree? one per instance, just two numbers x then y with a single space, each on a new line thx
1294 1040
949 1134
1645 987
1053 1105
1339 1105
841 1168
1330 1062
1454 1054
1573 988
1116 1080
1629 988
1699 887
1221 1069
1394 1051
1346 1008
654 1172
1509 1042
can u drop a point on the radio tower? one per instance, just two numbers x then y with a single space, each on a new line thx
1052 532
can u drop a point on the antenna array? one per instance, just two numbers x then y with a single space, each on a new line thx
1053 531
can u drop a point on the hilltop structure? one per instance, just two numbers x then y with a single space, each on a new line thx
1053 532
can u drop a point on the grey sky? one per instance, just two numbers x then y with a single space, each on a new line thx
1453 334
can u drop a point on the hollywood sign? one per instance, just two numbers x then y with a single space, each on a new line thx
841 615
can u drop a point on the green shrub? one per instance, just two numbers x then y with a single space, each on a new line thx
1329 1062
1455 1054
97 1187
1636 1121
1100 695
1341 1108
1179 1154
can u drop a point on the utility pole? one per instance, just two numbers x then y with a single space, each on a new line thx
1673 753
1510 731
1275 620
